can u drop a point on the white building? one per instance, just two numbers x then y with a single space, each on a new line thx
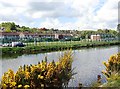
95 37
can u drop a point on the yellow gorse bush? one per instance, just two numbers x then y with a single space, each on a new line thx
43 74
112 66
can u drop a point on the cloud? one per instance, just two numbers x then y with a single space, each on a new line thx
51 9
6 4
63 14
55 23
44 6
108 14
109 11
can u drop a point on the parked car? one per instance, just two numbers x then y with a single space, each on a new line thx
20 45
17 44
7 45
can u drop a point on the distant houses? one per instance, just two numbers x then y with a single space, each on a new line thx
30 37
15 36
95 37
9 35
102 37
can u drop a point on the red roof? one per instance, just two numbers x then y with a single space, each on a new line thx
28 33
9 33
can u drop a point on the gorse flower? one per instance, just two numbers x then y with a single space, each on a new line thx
13 84
19 86
27 75
112 66
42 85
26 86
40 75
4 86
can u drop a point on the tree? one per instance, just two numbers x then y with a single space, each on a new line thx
8 26
7 30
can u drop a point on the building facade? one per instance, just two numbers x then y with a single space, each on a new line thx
95 37
17 36
103 37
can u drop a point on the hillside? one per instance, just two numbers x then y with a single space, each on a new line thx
12 27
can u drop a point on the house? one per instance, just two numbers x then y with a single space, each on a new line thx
27 35
95 37
103 37
107 37
9 35
67 36
16 36
47 36
63 36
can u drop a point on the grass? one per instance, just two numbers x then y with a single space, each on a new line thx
112 72
71 43
113 81
52 46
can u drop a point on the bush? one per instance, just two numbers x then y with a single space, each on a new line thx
113 81
17 50
43 74
5 50
112 66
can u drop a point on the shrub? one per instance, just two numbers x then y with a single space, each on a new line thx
112 66
43 74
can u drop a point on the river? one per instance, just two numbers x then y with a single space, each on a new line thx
87 63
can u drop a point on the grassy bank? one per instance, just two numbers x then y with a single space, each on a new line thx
111 72
55 46
113 81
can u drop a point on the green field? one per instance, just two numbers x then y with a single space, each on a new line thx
68 43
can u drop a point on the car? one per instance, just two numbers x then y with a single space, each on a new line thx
17 44
5 45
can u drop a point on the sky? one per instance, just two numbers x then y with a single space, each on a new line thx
61 14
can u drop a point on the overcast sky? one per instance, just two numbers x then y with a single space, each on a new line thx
61 14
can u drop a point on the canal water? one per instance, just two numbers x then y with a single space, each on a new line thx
87 63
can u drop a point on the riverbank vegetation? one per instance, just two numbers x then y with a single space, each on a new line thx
112 71
41 75
113 81
52 46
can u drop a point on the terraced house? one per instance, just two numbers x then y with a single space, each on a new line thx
103 37
17 36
